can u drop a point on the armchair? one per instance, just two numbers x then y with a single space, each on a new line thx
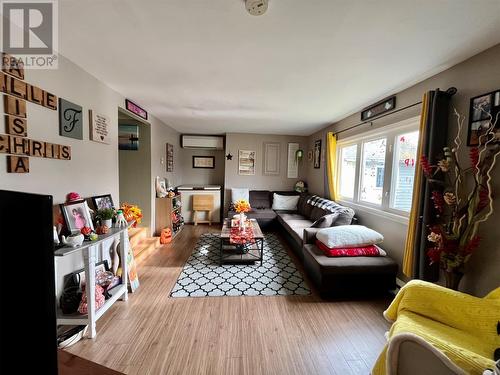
440 331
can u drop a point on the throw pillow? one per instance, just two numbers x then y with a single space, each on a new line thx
365 251
325 221
343 236
285 202
239 194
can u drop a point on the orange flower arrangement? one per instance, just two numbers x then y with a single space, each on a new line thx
242 206
132 212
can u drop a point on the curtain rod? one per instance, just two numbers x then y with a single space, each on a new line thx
376 118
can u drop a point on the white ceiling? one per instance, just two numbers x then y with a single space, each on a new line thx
207 66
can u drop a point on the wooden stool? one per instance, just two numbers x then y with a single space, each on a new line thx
202 203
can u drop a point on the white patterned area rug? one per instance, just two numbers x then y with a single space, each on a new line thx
203 275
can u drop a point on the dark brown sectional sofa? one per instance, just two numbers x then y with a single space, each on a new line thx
332 276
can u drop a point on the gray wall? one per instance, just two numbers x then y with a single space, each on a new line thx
201 176
472 77
255 142
135 176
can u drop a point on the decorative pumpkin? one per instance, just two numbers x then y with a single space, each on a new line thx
102 229
166 236
171 194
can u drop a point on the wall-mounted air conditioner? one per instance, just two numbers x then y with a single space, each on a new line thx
212 142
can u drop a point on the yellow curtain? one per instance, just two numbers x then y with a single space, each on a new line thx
409 253
331 164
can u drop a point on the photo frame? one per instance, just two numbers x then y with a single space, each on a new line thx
99 267
246 162
317 154
76 215
479 108
204 162
101 202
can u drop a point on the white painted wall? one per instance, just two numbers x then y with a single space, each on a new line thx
93 169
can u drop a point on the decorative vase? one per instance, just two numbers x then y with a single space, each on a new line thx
452 278
107 222
243 218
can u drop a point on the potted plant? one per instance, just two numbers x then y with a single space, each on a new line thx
462 199
105 216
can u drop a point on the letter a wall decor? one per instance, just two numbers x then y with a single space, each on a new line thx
16 143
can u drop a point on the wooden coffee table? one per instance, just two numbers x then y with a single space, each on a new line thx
248 253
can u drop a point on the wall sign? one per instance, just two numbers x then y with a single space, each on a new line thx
170 157
385 105
99 127
15 143
317 154
70 119
293 164
135 109
246 162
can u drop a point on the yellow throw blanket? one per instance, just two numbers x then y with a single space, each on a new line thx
462 327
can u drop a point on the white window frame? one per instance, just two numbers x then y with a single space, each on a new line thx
388 132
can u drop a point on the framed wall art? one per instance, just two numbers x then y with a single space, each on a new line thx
317 154
99 125
70 119
246 163
128 137
480 109
170 157
206 162
377 109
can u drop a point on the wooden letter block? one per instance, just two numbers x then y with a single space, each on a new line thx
51 150
19 146
34 94
14 106
65 152
12 66
16 126
16 87
37 148
4 144
49 100
18 164
3 82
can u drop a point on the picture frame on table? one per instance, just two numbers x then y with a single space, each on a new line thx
206 162
102 202
76 216
99 267
480 109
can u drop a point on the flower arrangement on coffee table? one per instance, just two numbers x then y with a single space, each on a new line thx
462 198
242 206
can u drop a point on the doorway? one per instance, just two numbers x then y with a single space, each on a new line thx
134 138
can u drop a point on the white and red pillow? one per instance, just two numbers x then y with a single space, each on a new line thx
349 240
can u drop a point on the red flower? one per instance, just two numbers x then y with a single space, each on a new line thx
437 198
434 254
474 157
472 245
426 166
484 199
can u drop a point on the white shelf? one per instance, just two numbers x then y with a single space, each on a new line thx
77 319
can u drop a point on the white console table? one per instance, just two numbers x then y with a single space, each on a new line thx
89 252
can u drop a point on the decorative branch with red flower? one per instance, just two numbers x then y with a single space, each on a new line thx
462 197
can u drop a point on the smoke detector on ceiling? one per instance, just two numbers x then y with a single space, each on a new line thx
256 7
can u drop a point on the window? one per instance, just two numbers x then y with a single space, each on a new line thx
377 169
405 153
372 171
348 170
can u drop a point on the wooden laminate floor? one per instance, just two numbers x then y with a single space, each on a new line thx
154 334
